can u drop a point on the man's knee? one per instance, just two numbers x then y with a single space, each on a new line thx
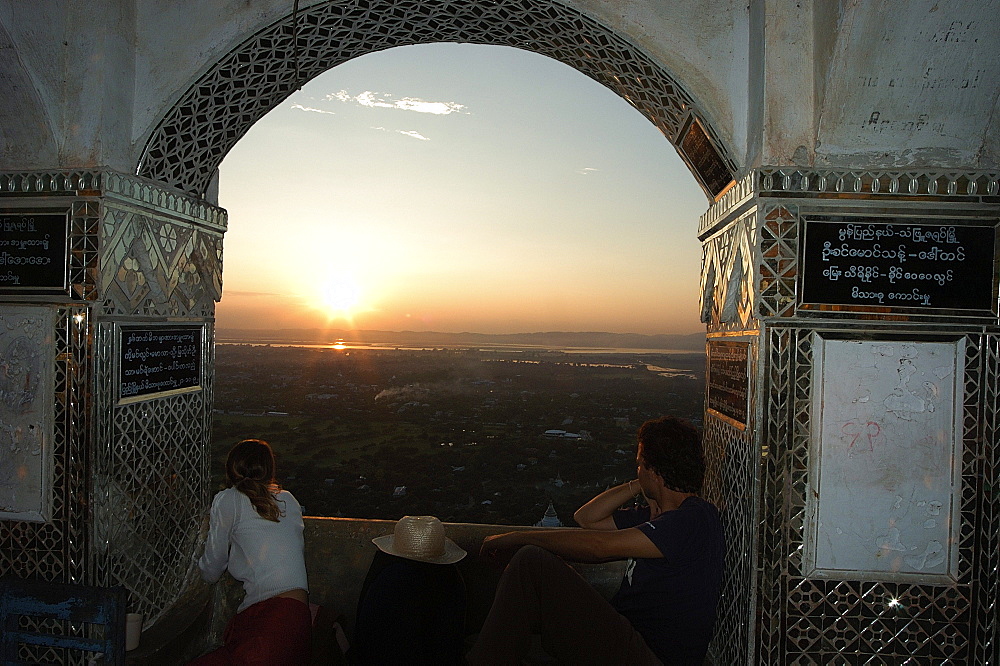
536 562
530 553
531 556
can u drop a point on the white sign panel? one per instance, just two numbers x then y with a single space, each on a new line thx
27 357
885 460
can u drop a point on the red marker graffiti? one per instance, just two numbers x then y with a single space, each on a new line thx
855 429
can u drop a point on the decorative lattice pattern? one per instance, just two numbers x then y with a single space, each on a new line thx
130 483
151 266
972 450
190 142
83 249
155 197
784 181
727 277
987 588
50 182
151 485
732 458
779 261
807 621
778 434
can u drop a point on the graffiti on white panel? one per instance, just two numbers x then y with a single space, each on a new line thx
885 457
26 361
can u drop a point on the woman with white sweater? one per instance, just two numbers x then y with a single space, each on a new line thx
255 531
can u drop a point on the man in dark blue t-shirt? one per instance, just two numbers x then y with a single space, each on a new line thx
664 611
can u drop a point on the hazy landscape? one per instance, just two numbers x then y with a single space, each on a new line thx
549 340
486 431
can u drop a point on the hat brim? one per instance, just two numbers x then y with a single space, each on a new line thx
452 553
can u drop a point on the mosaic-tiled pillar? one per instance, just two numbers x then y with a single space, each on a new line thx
851 421
108 286
729 255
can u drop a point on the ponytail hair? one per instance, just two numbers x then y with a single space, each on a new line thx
250 468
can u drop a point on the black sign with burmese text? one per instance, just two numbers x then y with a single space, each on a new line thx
159 359
33 251
912 265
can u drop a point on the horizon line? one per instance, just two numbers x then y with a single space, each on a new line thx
374 330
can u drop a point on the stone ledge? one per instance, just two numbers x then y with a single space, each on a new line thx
338 554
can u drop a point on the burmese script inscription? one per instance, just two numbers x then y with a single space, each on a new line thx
32 251
729 379
156 360
924 266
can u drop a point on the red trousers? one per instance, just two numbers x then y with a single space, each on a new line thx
273 631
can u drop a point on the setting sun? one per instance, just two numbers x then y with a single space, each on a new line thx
340 296
403 207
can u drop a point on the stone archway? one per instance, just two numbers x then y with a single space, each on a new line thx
217 110
147 252
186 147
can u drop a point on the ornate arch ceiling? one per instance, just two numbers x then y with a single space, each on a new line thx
192 139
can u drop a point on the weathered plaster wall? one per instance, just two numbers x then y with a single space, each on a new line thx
874 83
71 70
787 96
25 126
180 40
911 85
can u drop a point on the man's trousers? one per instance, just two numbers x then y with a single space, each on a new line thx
540 593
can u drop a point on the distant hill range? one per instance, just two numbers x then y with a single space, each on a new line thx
692 342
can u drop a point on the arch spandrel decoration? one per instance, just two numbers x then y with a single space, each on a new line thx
193 138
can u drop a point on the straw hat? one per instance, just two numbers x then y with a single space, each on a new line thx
420 538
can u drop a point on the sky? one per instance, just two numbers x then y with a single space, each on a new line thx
459 188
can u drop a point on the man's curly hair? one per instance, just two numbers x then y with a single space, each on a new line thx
671 447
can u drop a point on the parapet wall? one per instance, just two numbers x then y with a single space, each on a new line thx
338 554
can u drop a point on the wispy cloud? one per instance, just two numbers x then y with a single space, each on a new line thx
311 109
437 108
377 100
414 135
410 133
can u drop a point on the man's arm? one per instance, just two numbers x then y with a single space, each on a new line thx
597 513
588 546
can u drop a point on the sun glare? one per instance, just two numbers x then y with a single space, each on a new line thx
340 296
